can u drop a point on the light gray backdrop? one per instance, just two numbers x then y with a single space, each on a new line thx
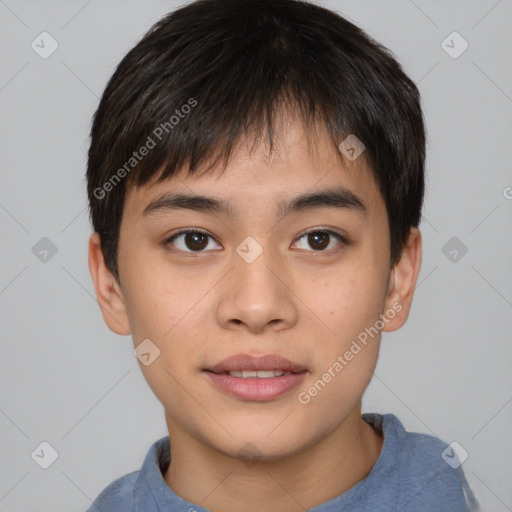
68 381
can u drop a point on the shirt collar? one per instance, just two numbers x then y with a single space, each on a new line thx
152 494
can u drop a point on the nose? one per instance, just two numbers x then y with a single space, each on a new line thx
256 296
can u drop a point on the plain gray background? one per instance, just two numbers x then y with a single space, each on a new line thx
69 381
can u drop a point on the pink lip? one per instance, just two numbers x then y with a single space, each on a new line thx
255 388
241 362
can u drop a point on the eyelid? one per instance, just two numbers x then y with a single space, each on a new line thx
169 239
189 230
341 238
323 229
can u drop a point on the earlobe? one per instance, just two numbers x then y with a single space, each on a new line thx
402 283
108 292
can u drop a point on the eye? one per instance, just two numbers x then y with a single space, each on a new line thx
321 239
190 240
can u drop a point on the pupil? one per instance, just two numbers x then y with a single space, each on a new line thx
318 240
196 239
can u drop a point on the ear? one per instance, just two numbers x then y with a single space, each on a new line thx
108 291
402 283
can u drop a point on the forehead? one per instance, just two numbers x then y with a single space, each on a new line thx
255 176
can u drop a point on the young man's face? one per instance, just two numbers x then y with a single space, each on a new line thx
257 284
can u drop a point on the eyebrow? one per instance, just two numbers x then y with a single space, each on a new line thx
337 197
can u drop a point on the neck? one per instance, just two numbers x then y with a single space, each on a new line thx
214 480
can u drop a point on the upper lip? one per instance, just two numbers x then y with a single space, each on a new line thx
241 362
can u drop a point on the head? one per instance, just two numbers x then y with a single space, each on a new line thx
227 118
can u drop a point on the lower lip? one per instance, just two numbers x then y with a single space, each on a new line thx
254 388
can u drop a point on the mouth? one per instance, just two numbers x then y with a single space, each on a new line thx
263 367
255 378
256 374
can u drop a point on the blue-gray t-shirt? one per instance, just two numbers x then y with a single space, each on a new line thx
410 475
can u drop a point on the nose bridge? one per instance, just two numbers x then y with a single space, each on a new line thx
252 268
255 294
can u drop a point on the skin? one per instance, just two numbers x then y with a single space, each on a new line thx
301 302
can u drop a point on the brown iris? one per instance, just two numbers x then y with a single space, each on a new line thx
318 240
196 241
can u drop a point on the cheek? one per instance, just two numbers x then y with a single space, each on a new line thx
347 355
158 302
352 301
351 307
147 312
170 312
172 376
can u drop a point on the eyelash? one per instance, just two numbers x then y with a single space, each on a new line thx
171 239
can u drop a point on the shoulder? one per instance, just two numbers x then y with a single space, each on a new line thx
429 472
133 491
427 478
118 496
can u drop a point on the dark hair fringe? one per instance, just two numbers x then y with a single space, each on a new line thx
245 63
